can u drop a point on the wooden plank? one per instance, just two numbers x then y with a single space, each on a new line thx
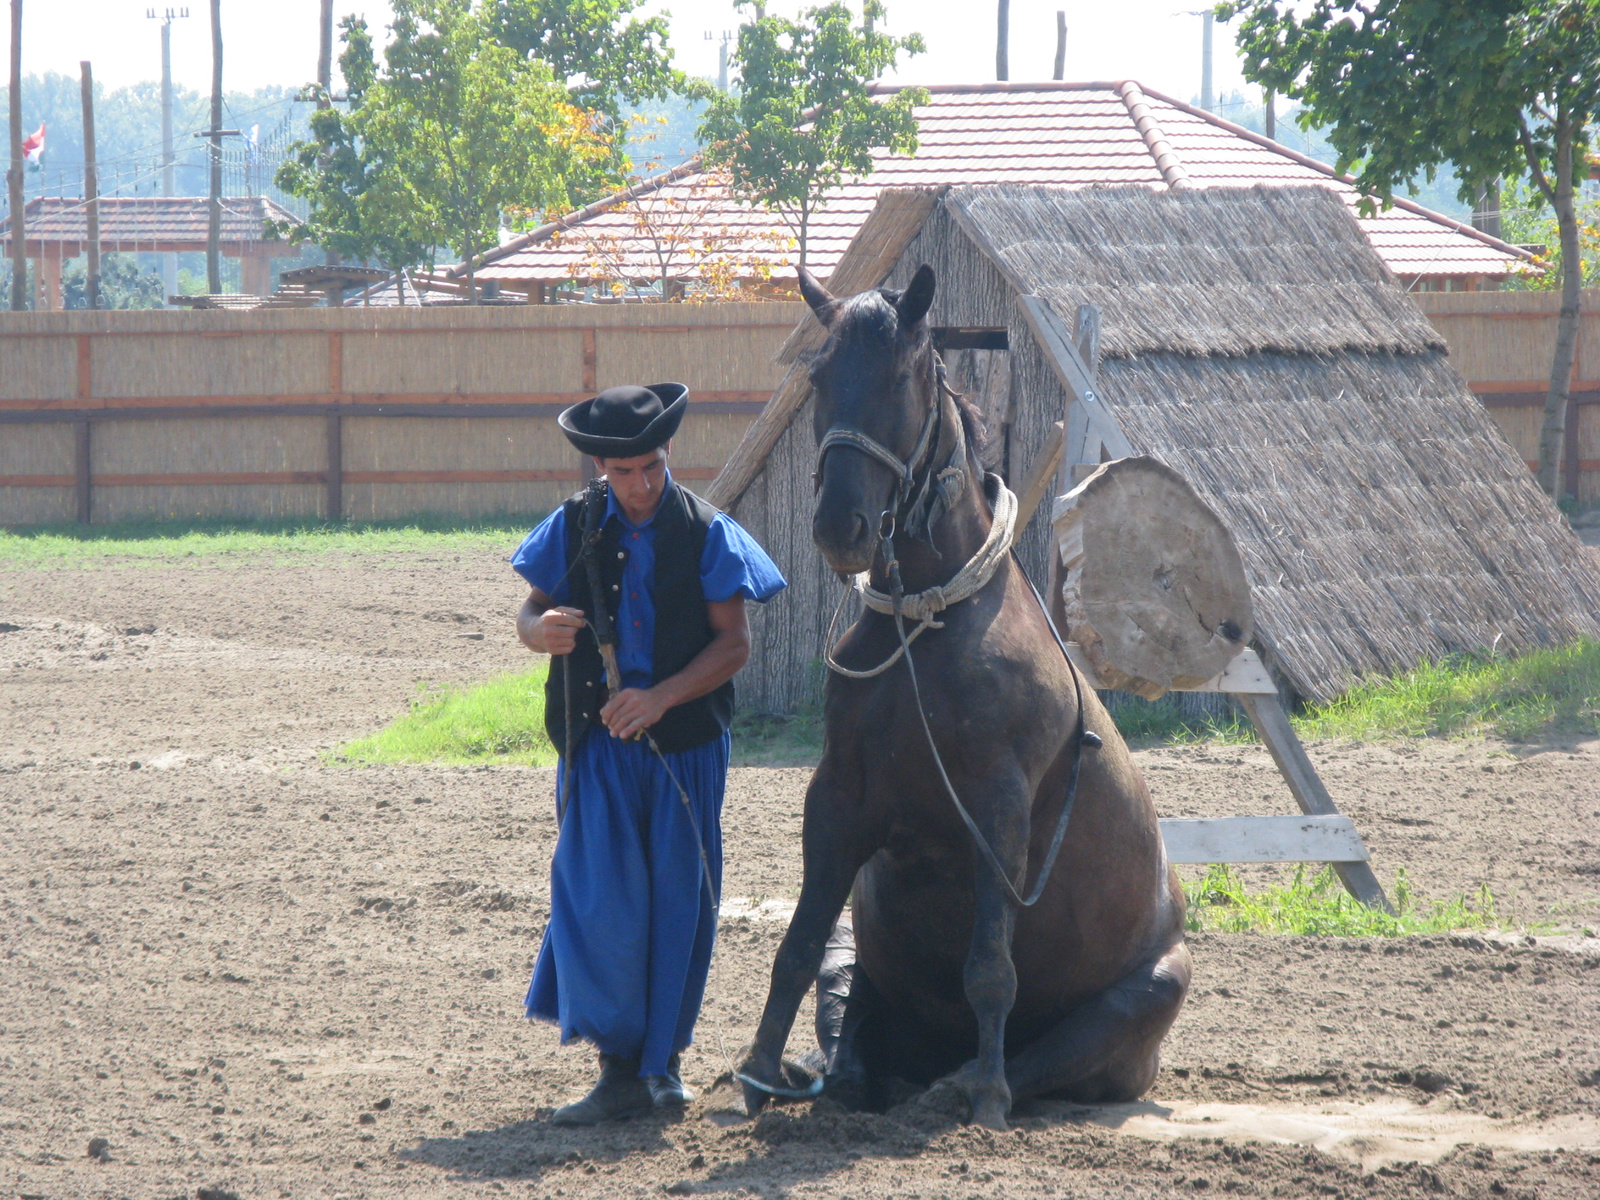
1041 475
532 475
336 361
85 368
1056 345
590 359
31 481
730 402
187 330
83 485
335 468
208 478
1272 723
750 455
1330 839
388 409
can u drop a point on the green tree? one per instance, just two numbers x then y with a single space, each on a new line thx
122 284
803 118
606 54
356 203
1498 88
1529 220
454 136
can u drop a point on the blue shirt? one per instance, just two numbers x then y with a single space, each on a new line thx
732 564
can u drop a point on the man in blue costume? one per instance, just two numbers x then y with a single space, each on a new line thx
632 917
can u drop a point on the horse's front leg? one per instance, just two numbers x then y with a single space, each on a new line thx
990 978
834 848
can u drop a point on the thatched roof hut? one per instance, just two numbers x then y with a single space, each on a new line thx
1253 341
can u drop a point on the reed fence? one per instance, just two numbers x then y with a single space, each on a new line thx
388 413
1502 342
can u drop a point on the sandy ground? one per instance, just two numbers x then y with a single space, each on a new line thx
251 972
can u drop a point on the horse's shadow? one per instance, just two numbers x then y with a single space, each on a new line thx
786 1146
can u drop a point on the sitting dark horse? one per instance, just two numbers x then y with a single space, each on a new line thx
952 976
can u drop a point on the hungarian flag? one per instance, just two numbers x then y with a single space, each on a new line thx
33 149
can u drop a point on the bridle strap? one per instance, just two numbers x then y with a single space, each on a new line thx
843 435
905 470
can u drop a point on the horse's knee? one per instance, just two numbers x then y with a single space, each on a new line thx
990 980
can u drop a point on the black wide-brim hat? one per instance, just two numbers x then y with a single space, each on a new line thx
624 422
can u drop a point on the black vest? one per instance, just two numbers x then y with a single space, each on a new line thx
682 628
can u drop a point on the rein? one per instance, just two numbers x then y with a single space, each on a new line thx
922 606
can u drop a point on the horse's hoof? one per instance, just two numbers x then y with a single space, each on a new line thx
990 1116
754 1100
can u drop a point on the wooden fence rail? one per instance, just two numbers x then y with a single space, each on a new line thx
381 413
349 413
1502 343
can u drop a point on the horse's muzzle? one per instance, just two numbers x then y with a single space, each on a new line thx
847 538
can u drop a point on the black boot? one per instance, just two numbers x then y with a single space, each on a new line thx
620 1093
669 1090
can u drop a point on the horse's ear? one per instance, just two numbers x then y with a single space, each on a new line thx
818 297
913 305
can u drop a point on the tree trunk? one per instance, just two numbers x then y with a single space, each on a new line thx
1153 589
1552 433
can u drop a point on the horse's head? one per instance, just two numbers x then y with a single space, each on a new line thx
874 376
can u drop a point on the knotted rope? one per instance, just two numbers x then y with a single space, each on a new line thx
924 606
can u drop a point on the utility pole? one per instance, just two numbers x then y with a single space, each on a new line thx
325 56
91 188
214 226
1271 114
1002 58
169 261
19 249
1061 45
1207 98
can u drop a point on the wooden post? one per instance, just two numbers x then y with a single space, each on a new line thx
214 209
49 279
1272 723
325 55
80 464
590 361
335 474
255 274
1061 45
1002 45
91 189
19 250
1572 464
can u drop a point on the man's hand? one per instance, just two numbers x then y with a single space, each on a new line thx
633 710
547 629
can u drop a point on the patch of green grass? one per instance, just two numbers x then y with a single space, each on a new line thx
1319 906
1162 722
776 740
1540 694
501 721
158 543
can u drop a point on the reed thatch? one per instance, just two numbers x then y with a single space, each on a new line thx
1253 341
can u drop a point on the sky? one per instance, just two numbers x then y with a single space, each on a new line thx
1157 42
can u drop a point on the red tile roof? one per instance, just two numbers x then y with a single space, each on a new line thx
1072 134
146 222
